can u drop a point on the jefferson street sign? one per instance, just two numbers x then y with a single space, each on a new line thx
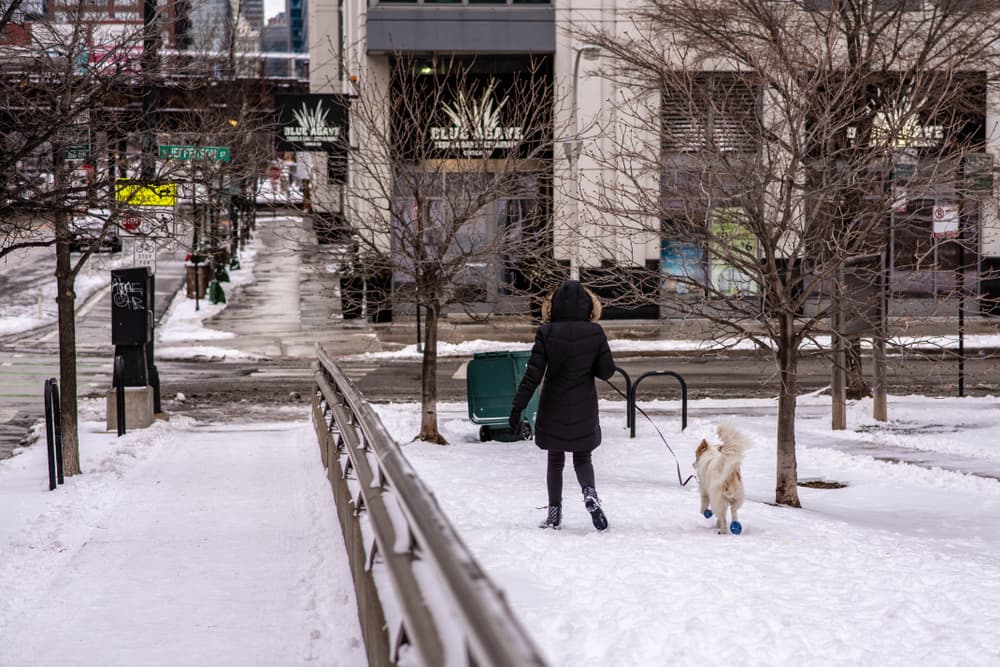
214 153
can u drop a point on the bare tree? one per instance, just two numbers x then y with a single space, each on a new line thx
75 102
783 149
450 189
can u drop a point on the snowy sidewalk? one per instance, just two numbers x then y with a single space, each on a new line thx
182 544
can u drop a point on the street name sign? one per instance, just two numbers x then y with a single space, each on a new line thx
213 153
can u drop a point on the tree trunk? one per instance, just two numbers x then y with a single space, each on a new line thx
428 387
786 490
857 387
66 306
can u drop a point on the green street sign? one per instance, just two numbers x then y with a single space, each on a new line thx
77 151
903 170
978 172
214 153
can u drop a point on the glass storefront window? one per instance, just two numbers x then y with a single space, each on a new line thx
495 249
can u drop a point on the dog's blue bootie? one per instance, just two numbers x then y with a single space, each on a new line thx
708 514
735 528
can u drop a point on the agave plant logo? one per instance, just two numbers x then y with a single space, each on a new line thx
897 125
312 125
475 125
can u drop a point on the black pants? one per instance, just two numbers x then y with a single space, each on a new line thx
554 474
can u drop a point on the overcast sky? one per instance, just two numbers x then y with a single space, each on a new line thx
273 8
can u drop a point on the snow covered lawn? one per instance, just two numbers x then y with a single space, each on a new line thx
900 567
182 544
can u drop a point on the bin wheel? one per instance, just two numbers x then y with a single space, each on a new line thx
484 434
525 430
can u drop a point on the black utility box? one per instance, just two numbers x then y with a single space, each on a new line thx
131 306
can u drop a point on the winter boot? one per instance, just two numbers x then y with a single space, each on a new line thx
593 505
553 519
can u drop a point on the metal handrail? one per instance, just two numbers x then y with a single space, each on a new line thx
489 632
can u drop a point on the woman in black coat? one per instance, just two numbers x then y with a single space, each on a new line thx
570 350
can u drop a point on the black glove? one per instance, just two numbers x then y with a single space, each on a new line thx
515 420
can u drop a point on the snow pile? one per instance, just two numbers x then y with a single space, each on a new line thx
184 324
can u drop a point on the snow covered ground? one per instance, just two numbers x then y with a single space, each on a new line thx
29 295
899 567
193 543
182 544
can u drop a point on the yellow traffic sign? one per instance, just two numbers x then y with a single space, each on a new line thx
146 194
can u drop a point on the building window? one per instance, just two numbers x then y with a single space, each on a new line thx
710 127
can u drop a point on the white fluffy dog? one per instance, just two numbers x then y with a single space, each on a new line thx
719 479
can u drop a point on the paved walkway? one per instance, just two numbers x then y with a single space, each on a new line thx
193 545
294 301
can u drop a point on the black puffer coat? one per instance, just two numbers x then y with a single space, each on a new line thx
570 351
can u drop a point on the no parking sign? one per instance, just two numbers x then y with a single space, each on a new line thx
945 221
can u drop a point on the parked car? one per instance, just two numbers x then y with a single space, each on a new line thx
87 226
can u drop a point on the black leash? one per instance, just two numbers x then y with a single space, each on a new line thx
680 480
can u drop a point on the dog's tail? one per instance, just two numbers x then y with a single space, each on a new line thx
734 442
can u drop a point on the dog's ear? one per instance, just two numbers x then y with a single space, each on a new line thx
702 448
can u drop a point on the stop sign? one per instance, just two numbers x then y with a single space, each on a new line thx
131 222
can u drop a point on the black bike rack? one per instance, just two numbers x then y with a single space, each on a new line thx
633 389
53 433
628 394
118 379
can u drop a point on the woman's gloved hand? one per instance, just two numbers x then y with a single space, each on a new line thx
515 420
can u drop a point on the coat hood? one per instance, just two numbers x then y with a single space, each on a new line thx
571 302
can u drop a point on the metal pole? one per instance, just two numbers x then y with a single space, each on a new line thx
880 408
574 167
119 383
197 286
961 309
50 435
57 430
150 46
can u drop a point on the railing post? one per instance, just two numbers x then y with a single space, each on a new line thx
635 389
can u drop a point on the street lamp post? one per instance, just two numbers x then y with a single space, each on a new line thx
590 52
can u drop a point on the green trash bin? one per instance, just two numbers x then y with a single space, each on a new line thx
491 381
